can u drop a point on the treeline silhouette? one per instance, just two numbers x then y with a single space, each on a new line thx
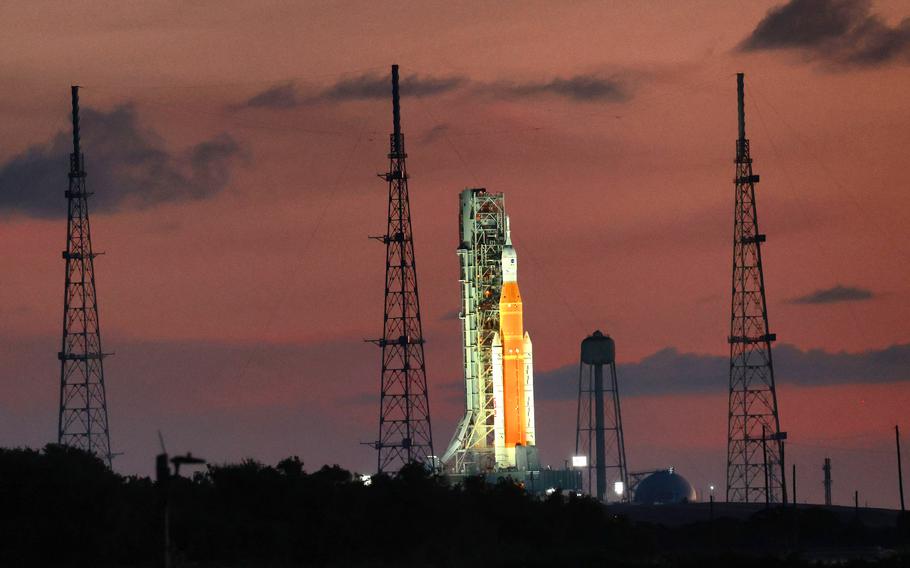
63 507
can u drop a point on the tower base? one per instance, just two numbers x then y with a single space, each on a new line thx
535 482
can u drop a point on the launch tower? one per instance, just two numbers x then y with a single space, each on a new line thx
405 435
82 419
497 430
755 451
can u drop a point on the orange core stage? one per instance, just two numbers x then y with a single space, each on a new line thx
511 334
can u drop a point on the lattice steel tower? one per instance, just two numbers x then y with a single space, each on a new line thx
405 435
755 451
83 403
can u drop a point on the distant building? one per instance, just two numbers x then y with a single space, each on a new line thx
664 487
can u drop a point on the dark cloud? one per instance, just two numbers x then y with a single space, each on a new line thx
670 372
577 88
836 294
128 167
843 32
277 97
380 87
805 23
580 88
361 87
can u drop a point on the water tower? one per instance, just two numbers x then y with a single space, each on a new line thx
599 444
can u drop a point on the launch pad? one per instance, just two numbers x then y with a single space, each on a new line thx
496 437
497 429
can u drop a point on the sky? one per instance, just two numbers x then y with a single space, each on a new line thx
233 147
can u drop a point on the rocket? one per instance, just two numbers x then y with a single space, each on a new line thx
513 372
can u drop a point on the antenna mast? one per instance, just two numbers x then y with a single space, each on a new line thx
405 435
82 419
755 450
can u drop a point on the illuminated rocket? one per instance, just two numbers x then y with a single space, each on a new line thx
497 430
513 367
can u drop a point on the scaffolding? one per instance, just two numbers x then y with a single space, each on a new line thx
482 231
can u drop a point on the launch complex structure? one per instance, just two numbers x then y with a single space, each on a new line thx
497 430
496 437
497 434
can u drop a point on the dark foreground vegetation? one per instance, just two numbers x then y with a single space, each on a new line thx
62 507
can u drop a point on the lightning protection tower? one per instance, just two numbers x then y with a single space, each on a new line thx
405 435
83 404
598 434
755 451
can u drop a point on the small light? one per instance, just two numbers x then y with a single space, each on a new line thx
551 491
579 461
711 488
366 480
619 487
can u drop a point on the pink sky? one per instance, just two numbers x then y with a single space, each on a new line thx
237 319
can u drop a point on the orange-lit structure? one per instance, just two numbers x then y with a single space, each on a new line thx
512 366
497 430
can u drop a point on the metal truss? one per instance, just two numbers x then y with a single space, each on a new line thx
83 421
480 254
405 435
755 450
